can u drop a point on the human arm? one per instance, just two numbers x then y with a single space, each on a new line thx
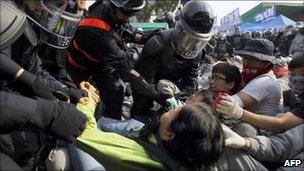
62 120
274 148
104 49
230 109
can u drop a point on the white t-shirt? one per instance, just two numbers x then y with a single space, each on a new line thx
267 91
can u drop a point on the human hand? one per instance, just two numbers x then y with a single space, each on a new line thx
60 119
172 103
229 107
93 95
232 139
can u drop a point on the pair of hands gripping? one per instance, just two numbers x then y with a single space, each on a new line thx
93 96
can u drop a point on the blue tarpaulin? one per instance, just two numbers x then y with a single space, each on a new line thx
277 22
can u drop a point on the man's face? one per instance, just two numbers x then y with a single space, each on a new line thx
218 83
81 4
164 131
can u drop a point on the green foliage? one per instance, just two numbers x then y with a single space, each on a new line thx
165 5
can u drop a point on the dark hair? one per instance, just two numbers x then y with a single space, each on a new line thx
207 95
232 74
297 61
199 138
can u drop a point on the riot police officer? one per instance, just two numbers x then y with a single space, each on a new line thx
45 28
99 50
18 112
236 39
176 54
257 34
269 34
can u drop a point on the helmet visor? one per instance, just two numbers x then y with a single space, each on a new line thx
57 19
188 43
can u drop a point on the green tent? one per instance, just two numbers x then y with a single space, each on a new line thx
294 11
146 27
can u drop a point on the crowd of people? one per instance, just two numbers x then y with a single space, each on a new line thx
84 90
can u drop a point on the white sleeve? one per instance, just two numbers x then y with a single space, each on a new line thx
259 88
238 100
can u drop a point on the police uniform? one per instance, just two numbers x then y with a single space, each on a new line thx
98 50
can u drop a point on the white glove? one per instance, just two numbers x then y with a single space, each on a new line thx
232 139
172 103
230 108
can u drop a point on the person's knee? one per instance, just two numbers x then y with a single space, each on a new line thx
58 159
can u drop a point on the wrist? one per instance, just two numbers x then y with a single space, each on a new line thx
25 77
247 145
239 113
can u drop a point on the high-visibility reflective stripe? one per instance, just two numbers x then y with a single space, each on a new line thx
95 22
73 63
88 56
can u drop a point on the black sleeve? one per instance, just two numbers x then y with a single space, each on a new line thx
16 111
189 77
148 63
32 63
102 45
8 67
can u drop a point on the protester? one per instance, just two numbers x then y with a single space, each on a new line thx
226 78
282 122
262 92
196 151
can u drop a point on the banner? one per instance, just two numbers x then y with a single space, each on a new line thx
232 19
268 14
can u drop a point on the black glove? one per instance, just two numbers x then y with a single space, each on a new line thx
127 33
60 119
75 94
37 86
161 97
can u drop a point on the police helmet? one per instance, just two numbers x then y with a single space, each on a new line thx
56 19
237 30
257 34
193 29
129 7
247 35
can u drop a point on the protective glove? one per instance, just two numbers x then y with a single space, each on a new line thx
232 139
60 119
161 98
172 103
75 94
37 86
127 33
229 107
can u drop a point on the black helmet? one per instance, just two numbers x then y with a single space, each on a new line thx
268 33
237 30
129 7
193 29
57 20
257 34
